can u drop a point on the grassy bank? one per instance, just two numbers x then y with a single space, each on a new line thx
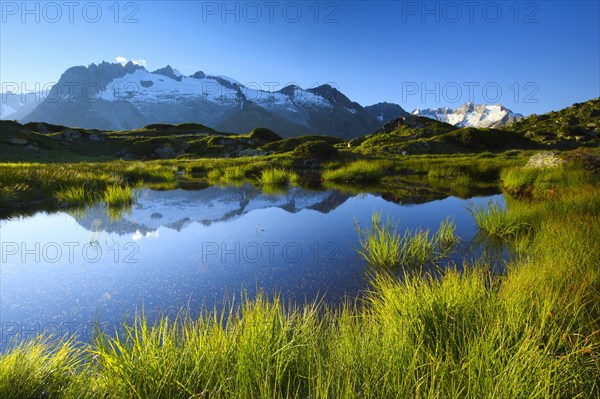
32 186
534 332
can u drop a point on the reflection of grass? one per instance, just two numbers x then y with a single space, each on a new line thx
116 213
353 189
362 171
383 246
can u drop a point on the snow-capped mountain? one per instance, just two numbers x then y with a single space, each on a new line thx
115 96
472 115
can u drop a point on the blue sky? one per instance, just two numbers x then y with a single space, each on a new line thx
532 56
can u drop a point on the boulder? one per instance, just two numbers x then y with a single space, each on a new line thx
545 159
165 152
18 141
71 135
251 152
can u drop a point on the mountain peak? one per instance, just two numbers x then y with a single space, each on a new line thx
472 115
129 96
169 72
198 75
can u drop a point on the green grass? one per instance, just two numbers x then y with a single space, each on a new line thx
383 246
519 181
362 171
235 173
149 173
277 177
38 369
118 196
497 221
73 196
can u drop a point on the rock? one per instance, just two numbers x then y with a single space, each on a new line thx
545 159
71 135
129 157
18 141
420 147
165 152
407 120
530 134
96 137
251 152
31 147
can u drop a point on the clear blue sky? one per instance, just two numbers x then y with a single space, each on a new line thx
542 55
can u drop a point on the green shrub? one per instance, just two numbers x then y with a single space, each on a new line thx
264 134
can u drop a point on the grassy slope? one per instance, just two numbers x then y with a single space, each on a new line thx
579 123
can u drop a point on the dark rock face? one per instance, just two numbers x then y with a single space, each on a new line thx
168 72
385 111
408 120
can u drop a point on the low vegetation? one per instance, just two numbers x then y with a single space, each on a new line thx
363 171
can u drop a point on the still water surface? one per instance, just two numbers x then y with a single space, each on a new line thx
62 271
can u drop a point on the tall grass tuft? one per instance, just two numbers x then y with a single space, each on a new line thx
38 368
277 177
73 195
366 172
497 221
234 173
383 246
118 196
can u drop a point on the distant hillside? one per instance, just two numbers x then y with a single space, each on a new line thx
576 125
579 123
413 134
